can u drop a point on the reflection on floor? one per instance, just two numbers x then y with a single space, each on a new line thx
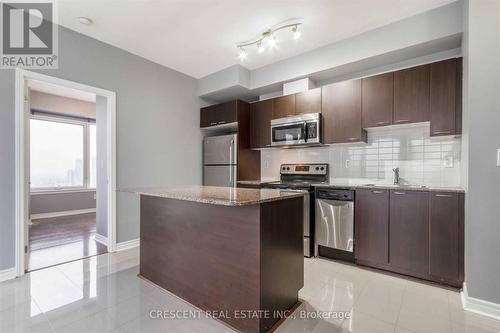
104 294
61 239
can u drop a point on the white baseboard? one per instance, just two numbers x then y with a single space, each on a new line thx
64 213
127 245
101 239
479 306
7 274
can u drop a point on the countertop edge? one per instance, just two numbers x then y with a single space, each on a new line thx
400 188
218 202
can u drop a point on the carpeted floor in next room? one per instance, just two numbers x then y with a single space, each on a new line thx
61 239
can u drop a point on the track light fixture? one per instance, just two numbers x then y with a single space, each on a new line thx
267 39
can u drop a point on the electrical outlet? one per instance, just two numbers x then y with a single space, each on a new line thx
95 196
448 162
498 157
347 164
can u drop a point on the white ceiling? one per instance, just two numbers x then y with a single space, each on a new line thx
198 37
53 89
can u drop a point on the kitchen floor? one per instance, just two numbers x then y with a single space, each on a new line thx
104 294
62 239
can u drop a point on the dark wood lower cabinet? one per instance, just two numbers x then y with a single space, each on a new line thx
409 232
415 233
446 238
371 228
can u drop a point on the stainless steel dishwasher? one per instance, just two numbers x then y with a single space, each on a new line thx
334 223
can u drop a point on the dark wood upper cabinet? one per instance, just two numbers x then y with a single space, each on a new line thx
371 227
411 95
308 101
261 114
409 232
458 106
443 91
219 114
446 237
377 100
283 106
341 109
207 116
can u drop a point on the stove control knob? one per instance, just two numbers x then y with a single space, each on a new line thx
288 168
317 168
322 168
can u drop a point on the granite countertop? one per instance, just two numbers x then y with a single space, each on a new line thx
225 196
391 187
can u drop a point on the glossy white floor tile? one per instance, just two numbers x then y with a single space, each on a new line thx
104 294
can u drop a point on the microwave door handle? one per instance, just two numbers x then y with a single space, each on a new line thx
305 131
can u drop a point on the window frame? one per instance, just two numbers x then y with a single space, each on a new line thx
86 123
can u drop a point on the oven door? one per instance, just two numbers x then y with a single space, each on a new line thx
289 134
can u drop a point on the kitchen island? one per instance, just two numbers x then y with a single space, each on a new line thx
236 253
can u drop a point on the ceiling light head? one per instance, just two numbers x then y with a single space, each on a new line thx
296 32
260 47
243 54
85 20
271 41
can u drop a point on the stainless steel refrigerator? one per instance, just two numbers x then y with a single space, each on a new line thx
220 155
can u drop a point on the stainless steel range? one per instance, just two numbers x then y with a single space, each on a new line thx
302 177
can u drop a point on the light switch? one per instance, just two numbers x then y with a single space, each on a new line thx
498 157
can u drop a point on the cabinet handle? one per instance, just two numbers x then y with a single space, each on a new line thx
399 193
221 122
444 195
442 132
212 124
402 121
353 139
377 192
382 123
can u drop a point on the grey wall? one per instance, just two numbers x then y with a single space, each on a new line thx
60 202
482 132
157 119
102 165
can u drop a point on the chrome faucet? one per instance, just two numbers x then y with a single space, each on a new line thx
396 176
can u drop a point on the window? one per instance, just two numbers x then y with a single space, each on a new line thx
63 154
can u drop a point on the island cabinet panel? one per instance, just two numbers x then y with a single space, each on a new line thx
411 95
280 223
341 110
409 232
371 227
378 100
446 237
261 114
219 114
308 101
283 106
225 258
443 97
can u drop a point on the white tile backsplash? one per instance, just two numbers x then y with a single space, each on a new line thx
422 160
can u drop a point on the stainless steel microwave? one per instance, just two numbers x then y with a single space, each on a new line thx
296 130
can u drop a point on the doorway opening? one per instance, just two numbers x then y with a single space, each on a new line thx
65 171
